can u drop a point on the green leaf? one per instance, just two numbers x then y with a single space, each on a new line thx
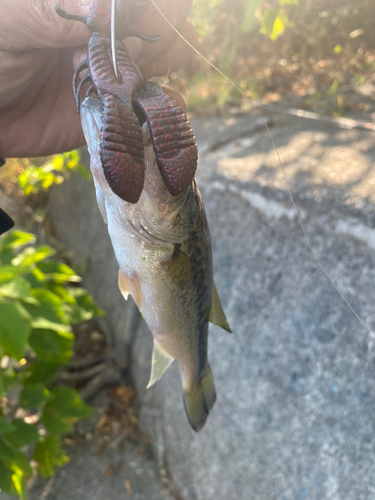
58 272
23 463
52 345
23 435
6 451
268 20
85 307
8 379
41 371
38 276
6 256
66 408
49 308
17 288
33 255
32 396
63 292
9 272
6 483
43 323
49 455
14 329
5 426
17 239
19 482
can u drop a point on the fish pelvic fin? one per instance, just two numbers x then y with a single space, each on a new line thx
199 400
217 316
160 363
130 284
123 284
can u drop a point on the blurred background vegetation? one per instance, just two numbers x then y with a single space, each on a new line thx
319 52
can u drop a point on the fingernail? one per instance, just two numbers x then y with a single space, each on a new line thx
134 47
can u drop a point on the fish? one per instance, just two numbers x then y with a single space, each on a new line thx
163 248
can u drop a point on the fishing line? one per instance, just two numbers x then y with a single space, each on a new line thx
113 38
279 160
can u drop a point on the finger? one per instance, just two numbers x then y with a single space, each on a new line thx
43 120
35 25
175 57
152 23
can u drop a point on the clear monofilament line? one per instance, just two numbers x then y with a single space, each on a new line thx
113 38
279 161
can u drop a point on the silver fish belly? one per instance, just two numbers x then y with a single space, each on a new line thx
162 245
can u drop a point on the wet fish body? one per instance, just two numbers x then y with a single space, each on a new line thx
162 245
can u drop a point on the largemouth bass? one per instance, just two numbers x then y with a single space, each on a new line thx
162 245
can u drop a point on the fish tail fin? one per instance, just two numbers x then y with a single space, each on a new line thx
199 400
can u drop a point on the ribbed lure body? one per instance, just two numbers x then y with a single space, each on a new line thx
121 154
172 136
121 135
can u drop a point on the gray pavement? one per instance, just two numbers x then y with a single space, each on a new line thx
294 418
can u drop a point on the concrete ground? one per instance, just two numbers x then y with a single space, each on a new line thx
294 418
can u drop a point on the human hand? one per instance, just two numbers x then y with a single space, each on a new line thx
38 54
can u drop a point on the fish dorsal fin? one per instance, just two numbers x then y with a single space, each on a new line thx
160 363
217 316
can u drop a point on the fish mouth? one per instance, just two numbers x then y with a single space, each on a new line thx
156 217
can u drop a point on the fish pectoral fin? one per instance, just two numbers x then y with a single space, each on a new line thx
179 267
123 284
160 363
217 316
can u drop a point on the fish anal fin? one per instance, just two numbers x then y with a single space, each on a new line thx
160 363
217 316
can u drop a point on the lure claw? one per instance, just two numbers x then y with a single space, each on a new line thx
66 15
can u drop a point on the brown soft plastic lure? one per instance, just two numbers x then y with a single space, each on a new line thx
128 101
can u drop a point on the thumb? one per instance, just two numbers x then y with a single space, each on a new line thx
30 25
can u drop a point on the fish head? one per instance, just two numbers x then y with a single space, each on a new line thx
157 215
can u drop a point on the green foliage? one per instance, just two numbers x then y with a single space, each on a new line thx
281 47
39 301
274 20
49 455
40 174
